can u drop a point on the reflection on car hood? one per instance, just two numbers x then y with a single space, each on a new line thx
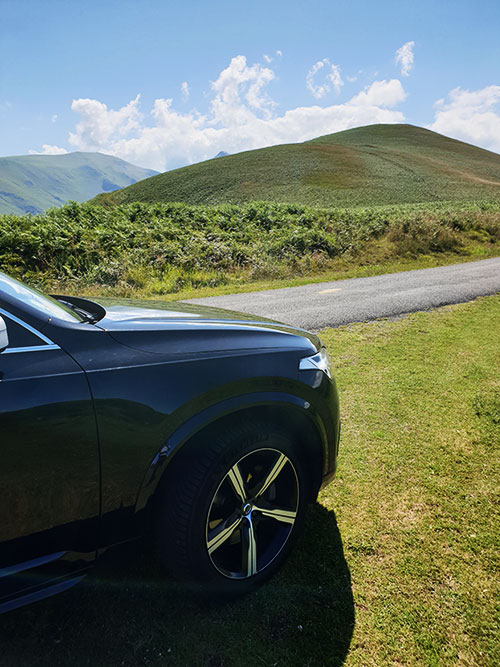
126 317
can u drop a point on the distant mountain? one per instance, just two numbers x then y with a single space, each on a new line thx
34 183
376 164
222 154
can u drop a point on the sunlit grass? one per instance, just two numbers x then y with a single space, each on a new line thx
375 164
373 262
418 489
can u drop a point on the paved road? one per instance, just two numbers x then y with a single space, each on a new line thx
319 305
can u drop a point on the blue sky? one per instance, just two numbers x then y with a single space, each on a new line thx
163 84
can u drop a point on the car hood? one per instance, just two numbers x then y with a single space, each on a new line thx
139 324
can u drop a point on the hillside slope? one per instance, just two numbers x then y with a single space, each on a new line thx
34 183
376 164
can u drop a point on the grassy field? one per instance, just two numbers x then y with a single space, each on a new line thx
166 250
399 563
372 165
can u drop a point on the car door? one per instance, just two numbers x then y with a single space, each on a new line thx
49 471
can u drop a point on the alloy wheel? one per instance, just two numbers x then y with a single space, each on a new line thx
252 513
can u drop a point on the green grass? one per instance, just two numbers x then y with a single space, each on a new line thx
165 250
372 165
34 183
374 262
399 562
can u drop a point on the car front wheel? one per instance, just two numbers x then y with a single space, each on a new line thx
230 514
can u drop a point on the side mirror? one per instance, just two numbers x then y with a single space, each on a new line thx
4 338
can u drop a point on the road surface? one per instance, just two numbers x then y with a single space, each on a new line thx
331 304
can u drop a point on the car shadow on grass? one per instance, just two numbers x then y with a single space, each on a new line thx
129 613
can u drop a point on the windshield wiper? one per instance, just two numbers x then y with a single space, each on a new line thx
84 314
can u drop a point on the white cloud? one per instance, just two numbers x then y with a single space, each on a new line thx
54 117
404 57
279 53
239 93
185 90
381 94
472 116
47 149
100 127
333 79
241 116
267 58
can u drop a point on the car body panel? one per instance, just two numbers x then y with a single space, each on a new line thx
50 467
123 396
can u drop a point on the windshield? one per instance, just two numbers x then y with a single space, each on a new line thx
44 304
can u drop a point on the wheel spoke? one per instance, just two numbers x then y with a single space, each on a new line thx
273 474
237 482
249 546
252 513
222 533
285 516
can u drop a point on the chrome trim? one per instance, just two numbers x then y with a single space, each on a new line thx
32 348
316 362
30 564
307 364
49 345
39 594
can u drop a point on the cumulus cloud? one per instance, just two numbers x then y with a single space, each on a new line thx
279 52
54 117
332 79
239 93
241 116
472 116
100 126
47 149
404 58
185 90
267 58
381 93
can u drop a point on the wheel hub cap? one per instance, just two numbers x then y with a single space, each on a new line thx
247 509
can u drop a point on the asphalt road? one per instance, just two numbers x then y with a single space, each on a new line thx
319 305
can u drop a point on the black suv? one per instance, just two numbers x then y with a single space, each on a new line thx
205 430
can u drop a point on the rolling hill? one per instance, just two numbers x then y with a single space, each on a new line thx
34 183
376 164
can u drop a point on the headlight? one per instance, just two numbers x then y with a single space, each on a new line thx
319 361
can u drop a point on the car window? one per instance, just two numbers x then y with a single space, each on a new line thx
19 336
44 304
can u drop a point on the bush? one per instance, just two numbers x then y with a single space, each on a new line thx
170 246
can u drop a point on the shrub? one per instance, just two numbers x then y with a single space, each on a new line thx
169 246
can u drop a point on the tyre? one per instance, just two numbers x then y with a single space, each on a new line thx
230 514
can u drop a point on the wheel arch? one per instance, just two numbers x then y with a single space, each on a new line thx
291 413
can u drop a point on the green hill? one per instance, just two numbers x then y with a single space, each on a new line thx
376 164
34 183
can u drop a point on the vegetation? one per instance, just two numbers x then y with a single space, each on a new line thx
365 166
160 249
34 183
399 562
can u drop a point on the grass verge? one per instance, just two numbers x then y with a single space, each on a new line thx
399 562
373 263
